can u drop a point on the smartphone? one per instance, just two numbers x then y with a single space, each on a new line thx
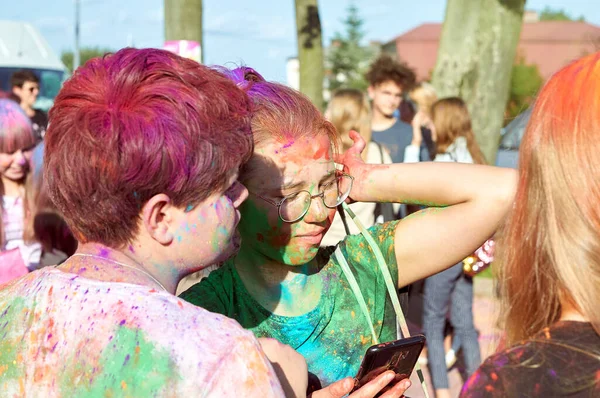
400 356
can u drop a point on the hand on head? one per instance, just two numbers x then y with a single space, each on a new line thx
351 159
353 163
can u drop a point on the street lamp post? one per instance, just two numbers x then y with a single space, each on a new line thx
76 52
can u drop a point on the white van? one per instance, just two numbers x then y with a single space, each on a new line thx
23 47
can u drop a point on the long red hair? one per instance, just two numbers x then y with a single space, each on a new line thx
550 250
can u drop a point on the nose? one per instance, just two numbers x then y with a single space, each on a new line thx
20 158
317 212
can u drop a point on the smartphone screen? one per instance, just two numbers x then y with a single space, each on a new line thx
399 356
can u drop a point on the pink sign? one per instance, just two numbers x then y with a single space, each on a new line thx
185 48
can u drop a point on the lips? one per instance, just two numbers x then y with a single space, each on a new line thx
313 237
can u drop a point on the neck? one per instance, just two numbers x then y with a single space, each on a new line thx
570 313
28 109
96 261
11 187
379 121
280 288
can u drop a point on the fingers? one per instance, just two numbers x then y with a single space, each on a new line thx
359 143
398 390
335 390
371 389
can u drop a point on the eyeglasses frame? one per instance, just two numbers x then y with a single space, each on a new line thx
319 195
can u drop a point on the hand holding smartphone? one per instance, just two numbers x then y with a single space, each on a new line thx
399 356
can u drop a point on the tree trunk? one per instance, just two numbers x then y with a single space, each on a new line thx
183 21
477 51
310 50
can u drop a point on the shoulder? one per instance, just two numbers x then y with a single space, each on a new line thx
402 126
212 292
558 354
361 255
181 346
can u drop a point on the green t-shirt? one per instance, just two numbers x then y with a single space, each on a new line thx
334 336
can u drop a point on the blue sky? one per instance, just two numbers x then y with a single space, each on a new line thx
259 33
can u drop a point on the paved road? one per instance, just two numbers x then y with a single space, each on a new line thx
485 309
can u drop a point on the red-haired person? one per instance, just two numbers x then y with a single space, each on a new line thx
18 249
282 285
141 158
549 257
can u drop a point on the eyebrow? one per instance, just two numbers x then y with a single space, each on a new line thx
298 184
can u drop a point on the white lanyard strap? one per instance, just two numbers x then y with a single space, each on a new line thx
388 283
337 254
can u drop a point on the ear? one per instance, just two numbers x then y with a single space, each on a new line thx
17 91
158 216
371 92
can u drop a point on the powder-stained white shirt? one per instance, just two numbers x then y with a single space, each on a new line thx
13 218
68 336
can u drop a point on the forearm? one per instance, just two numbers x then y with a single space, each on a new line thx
476 200
432 184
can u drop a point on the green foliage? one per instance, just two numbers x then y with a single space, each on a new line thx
525 82
85 54
348 59
550 14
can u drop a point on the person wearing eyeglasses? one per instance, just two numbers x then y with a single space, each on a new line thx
282 285
25 89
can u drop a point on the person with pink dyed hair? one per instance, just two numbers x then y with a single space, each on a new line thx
141 159
18 249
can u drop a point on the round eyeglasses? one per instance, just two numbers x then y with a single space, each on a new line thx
295 206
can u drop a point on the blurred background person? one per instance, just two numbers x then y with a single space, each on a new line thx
423 96
388 81
19 250
451 289
25 87
349 110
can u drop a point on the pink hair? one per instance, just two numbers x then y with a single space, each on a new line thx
137 123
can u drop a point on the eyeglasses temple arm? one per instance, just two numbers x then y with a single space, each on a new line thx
340 209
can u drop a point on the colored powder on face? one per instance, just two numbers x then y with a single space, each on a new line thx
189 208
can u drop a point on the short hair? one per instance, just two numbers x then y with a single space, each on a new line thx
280 112
21 76
137 123
385 68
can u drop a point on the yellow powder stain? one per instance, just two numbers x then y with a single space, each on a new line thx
123 385
364 340
137 355
352 314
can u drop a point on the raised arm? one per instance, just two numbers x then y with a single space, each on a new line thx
471 201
